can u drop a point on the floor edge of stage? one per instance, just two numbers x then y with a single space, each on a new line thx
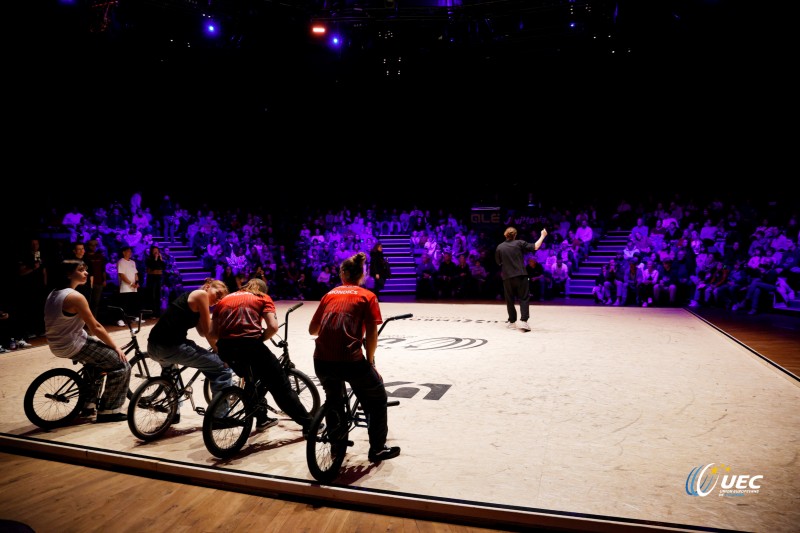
462 511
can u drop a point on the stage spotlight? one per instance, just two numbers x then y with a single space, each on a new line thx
211 28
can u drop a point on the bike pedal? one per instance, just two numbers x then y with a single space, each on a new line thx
350 443
200 411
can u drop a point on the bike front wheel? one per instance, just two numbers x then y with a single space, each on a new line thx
326 442
305 389
55 398
142 369
227 422
152 408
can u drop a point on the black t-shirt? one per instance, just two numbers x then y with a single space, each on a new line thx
171 329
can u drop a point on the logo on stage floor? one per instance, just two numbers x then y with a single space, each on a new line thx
702 481
435 343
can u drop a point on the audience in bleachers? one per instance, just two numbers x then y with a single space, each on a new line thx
719 253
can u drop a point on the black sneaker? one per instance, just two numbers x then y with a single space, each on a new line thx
264 422
111 417
177 418
383 454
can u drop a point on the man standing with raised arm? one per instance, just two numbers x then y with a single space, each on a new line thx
510 255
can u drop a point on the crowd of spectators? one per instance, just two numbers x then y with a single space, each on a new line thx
714 252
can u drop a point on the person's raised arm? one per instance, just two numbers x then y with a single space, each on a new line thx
539 242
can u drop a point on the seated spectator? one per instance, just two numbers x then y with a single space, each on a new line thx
631 250
613 284
648 283
537 278
599 288
761 288
733 291
560 278
426 277
631 277
446 276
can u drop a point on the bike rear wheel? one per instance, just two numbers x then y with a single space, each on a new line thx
227 422
237 381
326 442
142 369
152 408
305 389
55 398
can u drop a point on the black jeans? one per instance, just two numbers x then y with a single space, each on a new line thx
368 387
241 354
513 288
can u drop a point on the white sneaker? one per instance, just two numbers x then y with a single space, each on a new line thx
523 325
511 325
121 323
22 344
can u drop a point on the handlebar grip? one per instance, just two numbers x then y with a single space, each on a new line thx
392 403
400 317
292 308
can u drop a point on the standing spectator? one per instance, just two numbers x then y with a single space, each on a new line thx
96 261
154 280
168 222
128 275
510 256
31 289
378 268
79 252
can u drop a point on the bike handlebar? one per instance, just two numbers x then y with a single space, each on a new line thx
128 319
396 317
283 343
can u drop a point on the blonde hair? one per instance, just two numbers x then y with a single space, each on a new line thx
218 286
510 233
255 286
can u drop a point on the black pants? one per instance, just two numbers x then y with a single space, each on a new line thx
154 284
242 354
368 387
513 288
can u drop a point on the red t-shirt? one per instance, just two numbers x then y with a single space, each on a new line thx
239 314
343 314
